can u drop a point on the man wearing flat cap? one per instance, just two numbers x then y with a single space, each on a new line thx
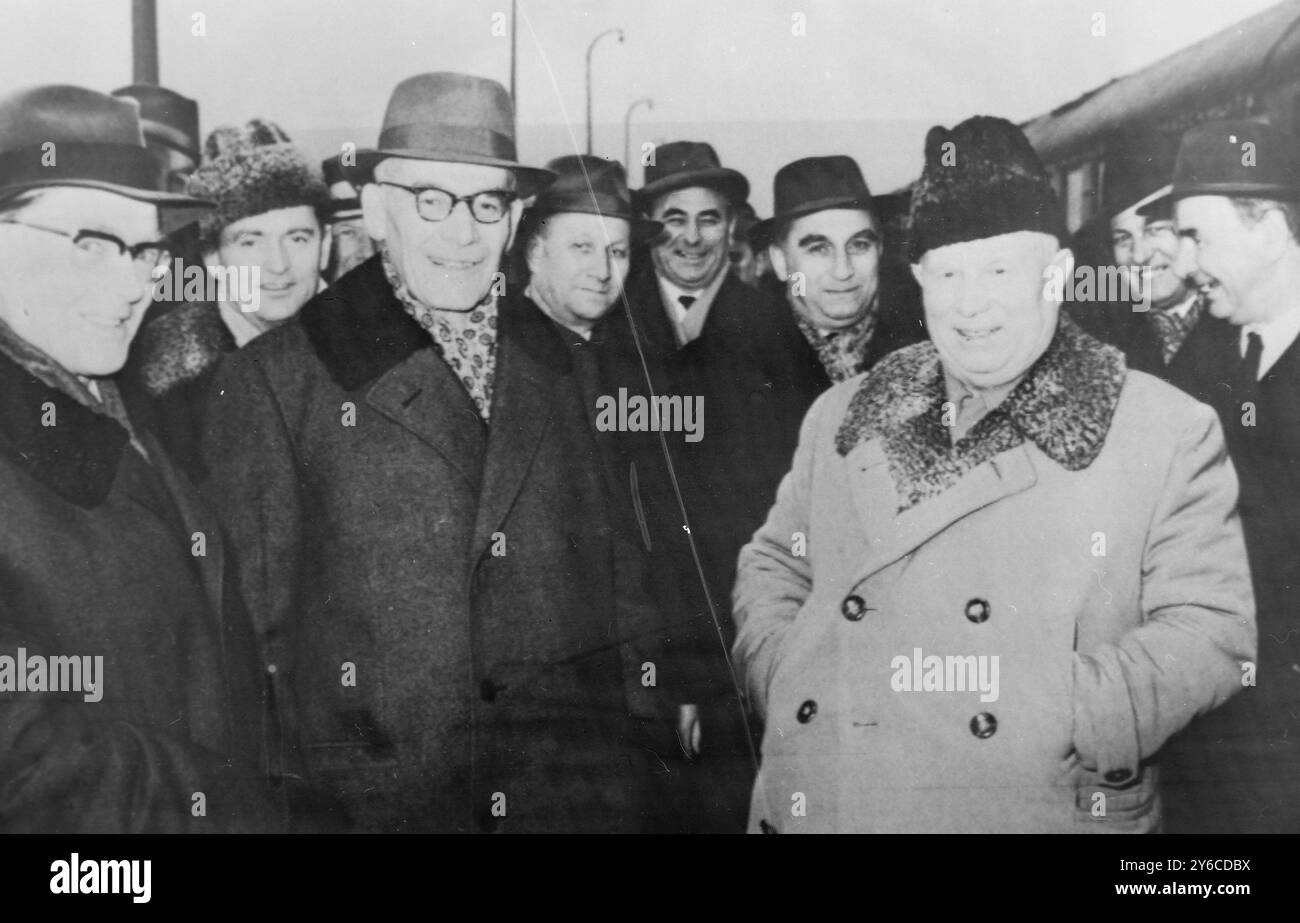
1023 568
130 700
427 548
1236 198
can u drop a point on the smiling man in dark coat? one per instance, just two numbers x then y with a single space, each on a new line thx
413 484
149 717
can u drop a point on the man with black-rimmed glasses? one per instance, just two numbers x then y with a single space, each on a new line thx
107 555
410 475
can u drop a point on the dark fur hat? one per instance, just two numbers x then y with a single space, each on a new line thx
981 179
250 170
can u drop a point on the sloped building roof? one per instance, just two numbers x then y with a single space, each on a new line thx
1255 52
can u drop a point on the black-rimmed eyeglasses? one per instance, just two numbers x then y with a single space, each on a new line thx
434 204
95 248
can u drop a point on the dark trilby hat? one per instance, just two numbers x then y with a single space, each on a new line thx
166 116
682 164
450 117
1234 158
981 179
591 186
814 184
71 136
343 201
1138 165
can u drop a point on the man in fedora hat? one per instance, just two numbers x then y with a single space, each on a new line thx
827 248
712 341
1236 197
1164 305
170 123
1022 569
350 244
426 545
128 683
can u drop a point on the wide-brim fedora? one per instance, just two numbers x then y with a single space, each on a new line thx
592 186
166 116
454 118
1137 164
683 164
810 185
62 135
344 201
1238 158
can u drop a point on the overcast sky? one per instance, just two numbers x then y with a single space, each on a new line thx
764 81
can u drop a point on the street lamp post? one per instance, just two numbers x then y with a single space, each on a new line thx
590 49
627 131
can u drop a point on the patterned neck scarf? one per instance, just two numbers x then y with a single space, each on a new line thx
843 353
467 340
1172 329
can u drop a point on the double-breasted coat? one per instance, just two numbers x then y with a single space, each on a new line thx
450 625
1075 563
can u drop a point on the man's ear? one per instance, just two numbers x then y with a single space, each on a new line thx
373 212
516 212
531 253
1063 261
777 256
326 245
1275 234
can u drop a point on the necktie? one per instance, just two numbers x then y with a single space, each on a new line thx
686 301
1249 370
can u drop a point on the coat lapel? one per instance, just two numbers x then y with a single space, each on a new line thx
532 365
422 394
363 336
910 482
195 517
893 533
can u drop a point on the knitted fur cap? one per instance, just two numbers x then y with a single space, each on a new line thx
250 170
981 179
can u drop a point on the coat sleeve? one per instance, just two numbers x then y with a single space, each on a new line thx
67 768
772 582
254 486
1198 633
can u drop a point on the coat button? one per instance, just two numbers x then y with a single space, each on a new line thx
853 608
977 610
1117 776
806 711
983 725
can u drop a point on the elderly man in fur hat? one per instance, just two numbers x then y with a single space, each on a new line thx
426 540
1004 568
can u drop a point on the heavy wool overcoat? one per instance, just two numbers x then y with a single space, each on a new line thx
1084 533
105 554
443 606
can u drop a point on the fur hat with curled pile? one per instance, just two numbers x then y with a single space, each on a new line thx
981 179
249 170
